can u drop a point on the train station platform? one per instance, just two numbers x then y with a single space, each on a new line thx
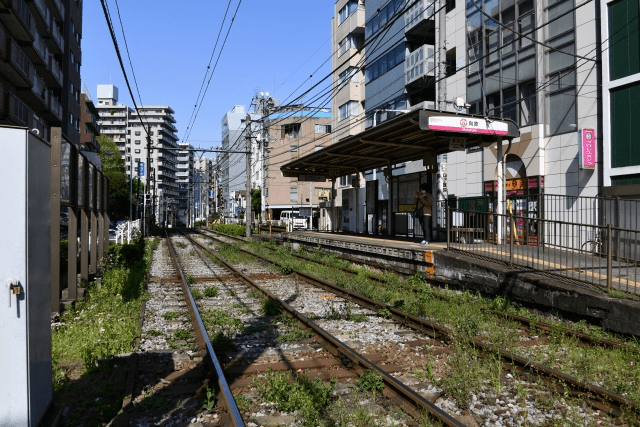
475 271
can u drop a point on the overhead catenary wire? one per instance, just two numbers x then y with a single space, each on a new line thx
126 46
214 69
115 45
204 79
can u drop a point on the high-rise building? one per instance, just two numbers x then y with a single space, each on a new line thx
128 128
533 62
347 38
185 180
40 65
204 185
233 165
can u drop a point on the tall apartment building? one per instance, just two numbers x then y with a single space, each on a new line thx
127 127
347 36
233 165
293 134
547 82
185 177
40 65
204 186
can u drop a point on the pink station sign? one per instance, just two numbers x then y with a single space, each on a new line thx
587 149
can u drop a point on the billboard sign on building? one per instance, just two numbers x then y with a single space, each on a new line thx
140 168
587 149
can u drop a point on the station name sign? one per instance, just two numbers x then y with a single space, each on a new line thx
468 125
312 178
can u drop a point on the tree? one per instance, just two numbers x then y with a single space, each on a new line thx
256 201
113 167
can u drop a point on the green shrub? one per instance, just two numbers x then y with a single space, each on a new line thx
211 292
310 399
370 381
232 229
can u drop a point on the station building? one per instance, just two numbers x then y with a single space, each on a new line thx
537 63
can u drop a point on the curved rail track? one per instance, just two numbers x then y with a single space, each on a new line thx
600 398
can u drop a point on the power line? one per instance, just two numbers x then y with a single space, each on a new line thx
214 69
115 45
204 79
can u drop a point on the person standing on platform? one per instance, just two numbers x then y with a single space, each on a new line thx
422 208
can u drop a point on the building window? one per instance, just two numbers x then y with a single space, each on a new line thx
561 74
345 181
348 109
137 141
352 41
385 63
624 49
381 18
293 148
137 133
318 148
323 128
348 75
347 10
292 130
293 194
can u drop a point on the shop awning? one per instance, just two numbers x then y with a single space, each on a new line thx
420 134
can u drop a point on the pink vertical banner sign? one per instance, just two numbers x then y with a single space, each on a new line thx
587 152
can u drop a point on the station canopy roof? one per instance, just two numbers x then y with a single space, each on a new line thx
415 135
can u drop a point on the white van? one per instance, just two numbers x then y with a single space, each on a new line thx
286 215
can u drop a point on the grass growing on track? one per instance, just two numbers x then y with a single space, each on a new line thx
309 398
463 312
103 326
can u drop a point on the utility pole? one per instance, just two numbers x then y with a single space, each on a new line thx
145 221
247 211
442 56
441 176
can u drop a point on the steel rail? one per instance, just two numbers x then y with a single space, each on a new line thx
230 402
509 357
394 385
531 323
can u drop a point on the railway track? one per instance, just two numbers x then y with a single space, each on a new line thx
525 322
176 379
325 357
600 399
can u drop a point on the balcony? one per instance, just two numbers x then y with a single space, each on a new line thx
40 11
419 19
419 63
38 94
55 70
354 24
55 41
37 51
18 68
19 20
55 107
18 111
57 9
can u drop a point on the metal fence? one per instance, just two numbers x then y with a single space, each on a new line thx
605 256
79 203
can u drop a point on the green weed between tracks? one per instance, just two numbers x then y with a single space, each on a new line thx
309 398
468 315
86 374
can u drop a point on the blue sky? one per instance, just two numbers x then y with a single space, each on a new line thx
171 42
